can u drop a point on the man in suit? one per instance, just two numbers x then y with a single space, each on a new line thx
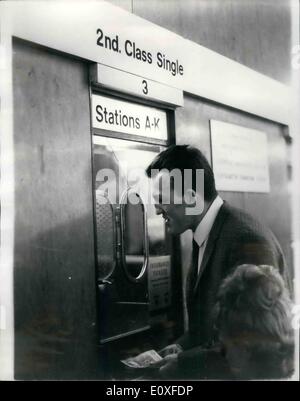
224 237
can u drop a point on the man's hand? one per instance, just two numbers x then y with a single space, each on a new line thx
169 369
172 349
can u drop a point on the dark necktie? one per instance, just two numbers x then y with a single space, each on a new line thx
193 273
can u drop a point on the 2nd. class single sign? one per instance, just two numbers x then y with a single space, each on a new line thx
120 116
131 49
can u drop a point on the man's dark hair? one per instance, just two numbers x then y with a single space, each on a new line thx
183 157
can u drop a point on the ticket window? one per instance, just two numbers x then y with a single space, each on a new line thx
133 248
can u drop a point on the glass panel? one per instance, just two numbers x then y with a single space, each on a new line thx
126 160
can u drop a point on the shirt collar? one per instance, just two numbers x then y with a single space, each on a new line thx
203 229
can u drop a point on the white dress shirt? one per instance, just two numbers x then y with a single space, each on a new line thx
203 229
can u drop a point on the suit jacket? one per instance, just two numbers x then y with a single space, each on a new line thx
236 238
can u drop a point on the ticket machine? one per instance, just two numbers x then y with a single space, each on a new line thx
133 248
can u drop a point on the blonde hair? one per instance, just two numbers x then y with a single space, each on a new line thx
254 305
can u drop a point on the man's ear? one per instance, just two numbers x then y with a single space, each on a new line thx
194 202
190 197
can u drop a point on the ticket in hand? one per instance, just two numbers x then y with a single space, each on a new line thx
144 360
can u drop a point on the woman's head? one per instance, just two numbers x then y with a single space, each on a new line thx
254 322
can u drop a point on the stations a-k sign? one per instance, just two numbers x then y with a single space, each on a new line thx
120 116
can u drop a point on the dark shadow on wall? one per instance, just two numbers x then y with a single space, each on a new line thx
55 306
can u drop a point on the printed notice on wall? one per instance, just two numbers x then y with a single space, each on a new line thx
239 158
159 282
129 118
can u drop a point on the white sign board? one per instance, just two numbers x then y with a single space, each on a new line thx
159 282
112 78
239 158
129 118
105 34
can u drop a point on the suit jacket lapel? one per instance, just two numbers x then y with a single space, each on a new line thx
214 234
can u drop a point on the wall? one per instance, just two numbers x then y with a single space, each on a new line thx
54 274
255 33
